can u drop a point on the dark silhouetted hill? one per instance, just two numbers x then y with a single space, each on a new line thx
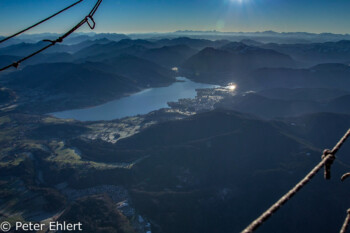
50 87
169 56
314 53
321 76
99 52
310 94
274 103
232 61
72 85
142 72
270 108
322 130
340 104
217 171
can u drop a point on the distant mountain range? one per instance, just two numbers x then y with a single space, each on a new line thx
144 63
315 53
265 36
222 64
75 38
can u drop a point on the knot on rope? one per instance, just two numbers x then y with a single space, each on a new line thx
330 157
53 42
15 64
59 40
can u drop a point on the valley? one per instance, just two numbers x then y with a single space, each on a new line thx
251 119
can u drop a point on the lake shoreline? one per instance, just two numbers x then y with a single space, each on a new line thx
141 102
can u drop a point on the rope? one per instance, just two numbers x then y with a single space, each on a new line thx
345 176
61 38
40 22
327 159
346 222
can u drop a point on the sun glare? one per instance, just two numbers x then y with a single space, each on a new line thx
239 1
231 87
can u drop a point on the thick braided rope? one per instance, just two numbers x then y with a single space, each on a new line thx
327 159
346 222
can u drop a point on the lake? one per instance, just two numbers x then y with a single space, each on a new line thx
140 103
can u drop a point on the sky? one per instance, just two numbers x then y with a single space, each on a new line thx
140 16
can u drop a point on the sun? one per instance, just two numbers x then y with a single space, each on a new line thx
238 1
231 87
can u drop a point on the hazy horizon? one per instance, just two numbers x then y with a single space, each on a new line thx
167 16
179 31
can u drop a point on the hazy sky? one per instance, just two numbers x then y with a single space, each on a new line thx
127 16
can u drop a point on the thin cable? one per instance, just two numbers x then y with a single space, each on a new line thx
40 22
269 212
61 38
93 11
